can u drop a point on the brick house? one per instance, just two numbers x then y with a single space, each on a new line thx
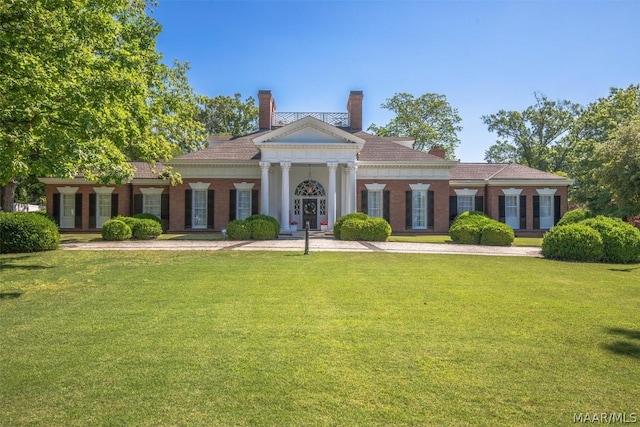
315 167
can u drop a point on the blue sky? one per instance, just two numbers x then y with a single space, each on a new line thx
482 55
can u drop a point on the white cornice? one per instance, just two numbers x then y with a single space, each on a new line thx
413 165
561 182
308 122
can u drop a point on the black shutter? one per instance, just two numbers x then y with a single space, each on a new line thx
536 212
523 212
364 201
114 205
431 209
453 207
232 205
187 208
210 206
56 208
479 204
408 224
386 201
557 208
501 214
164 206
137 204
78 219
92 210
255 197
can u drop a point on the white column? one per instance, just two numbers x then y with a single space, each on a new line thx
331 197
264 187
353 195
285 166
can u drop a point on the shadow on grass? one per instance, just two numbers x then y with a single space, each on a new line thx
10 294
624 347
624 270
7 263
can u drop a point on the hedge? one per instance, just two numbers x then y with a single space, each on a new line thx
274 223
27 232
115 229
369 229
262 229
467 227
621 240
239 230
497 234
142 228
337 226
573 242
574 216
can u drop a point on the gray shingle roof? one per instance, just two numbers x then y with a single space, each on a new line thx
144 170
484 171
384 149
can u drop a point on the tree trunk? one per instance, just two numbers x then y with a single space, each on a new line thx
8 196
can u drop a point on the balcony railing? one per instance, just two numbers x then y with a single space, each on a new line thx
335 119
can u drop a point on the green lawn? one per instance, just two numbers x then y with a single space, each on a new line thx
444 238
341 339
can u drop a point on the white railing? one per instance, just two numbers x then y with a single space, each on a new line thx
335 119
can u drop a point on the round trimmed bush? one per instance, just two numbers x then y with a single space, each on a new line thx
467 227
115 229
148 216
376 230
473 216
573 242
262 229
337 226
353 229
621 240
274 223
145 229
574 216
239 230
27 232
497 234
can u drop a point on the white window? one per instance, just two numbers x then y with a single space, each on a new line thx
243 204
512 211
466 200
199 204
152 201
546 207
419 209
374 204
103 204
243 199
67 206
419 206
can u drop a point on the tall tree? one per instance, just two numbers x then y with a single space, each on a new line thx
596 126
429 119
620 166
538 137
83 90
224 115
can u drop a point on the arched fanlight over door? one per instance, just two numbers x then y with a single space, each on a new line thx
310 188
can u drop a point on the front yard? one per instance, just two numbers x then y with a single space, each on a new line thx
280 339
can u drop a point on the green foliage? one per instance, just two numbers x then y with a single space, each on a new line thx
262 229
573 242
224 115
83 90
142 227
429 119
497 234
537 137
148 216
368 229
115 230
467 227
574 216
239 230
621 240
337 226
274 223
27 232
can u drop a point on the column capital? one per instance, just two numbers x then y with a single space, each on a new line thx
285 165
332 165
352 166
265 165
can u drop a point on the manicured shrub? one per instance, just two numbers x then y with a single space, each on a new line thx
497 234
467 227
274 223
337 226
148 216
352 229
573 242
145 229
262 229
115 229
574 216
621 240
239 230
27 232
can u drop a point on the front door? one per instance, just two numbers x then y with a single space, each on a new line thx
310 213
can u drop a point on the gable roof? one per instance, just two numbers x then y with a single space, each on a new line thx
143 170
501 171
391 149
306 123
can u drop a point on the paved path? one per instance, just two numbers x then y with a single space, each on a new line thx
315 244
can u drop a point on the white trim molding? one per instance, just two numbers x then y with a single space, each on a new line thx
67 190
243 186
419 187
466 192
512 191
199 186
375 186
103 190
546 191
151 191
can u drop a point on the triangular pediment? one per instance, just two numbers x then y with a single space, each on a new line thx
308 130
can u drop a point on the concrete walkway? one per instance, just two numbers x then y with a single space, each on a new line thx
316 243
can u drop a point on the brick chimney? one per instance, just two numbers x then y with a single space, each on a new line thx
438 152
267 109
354 108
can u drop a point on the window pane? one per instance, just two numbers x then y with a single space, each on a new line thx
104 205
546 212
152 204
419 209
199 209
243 204
512 213
374 203
465 204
